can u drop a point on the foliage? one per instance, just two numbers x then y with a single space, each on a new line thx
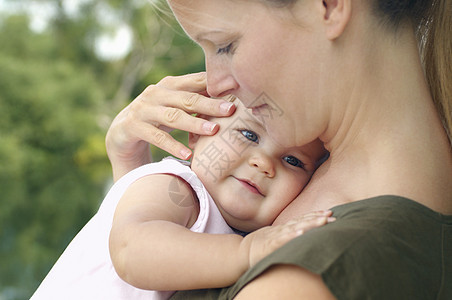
57 98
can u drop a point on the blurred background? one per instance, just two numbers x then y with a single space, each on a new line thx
67 67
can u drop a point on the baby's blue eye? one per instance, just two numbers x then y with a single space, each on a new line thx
250 135
292 160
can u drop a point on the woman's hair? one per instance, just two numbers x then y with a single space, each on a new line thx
432 20
435 40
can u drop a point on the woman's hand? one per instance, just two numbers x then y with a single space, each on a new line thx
264 241
154 113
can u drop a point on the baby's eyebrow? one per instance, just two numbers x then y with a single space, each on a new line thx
255 121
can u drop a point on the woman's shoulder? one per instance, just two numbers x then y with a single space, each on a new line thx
386 247
386 241
380 215
380 205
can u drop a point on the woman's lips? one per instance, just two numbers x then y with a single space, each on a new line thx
249 185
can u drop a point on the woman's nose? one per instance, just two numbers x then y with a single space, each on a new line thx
220 81
263 163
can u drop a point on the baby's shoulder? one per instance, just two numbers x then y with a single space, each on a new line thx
165 186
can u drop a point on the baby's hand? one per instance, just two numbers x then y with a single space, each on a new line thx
264 241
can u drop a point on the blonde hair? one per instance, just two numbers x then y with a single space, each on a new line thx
435 40
433 23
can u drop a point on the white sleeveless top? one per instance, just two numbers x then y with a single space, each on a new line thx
84 271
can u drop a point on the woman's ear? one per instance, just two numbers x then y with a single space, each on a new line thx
337 14
192 139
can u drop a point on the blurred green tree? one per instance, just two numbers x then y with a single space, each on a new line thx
48 109
57 99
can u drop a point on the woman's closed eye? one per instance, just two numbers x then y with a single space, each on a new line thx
250 135
293 161
225 50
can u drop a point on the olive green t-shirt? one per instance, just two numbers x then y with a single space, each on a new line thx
386 247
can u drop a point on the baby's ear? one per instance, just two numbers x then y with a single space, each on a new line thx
192 139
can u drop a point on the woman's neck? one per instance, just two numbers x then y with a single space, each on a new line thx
413 161
388 139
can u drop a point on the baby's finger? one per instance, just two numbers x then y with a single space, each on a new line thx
295 228
311 215
311 223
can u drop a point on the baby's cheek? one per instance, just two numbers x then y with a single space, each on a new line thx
203 176
295 186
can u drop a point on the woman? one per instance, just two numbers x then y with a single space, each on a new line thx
349 73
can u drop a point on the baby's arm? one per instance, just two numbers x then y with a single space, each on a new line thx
152 248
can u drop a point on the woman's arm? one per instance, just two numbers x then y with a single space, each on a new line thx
286 282
151 248
166 105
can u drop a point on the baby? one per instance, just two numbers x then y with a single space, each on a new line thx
166 226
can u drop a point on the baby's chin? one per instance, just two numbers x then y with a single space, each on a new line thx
244 229
243 225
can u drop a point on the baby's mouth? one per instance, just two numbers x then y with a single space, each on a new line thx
251 186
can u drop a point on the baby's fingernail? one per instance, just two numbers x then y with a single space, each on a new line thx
331 219
225 107
185 153
208 126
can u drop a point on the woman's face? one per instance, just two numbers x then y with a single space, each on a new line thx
268 57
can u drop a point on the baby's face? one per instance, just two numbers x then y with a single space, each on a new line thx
250 177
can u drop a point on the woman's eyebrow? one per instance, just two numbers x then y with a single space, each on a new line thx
203 35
